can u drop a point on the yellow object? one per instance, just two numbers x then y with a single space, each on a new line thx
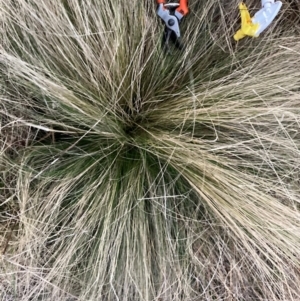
247 28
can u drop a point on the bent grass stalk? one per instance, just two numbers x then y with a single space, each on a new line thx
149 177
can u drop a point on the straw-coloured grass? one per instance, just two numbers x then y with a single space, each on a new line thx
129 174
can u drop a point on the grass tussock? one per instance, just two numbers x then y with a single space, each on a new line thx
128 174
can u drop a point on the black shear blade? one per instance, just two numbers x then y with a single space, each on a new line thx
169 36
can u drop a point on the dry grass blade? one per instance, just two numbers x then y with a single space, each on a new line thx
128 174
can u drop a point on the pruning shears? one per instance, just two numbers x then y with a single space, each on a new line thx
172 14
253 27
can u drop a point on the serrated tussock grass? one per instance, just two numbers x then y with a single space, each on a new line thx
148 176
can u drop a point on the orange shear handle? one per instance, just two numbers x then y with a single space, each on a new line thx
182 8
160 1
